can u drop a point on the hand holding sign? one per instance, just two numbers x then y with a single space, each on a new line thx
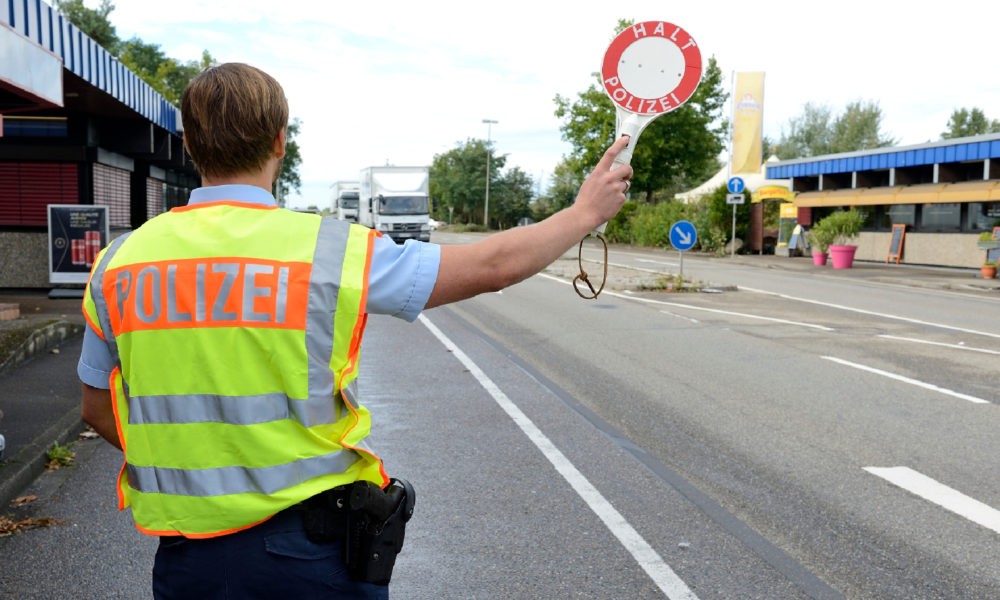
649 69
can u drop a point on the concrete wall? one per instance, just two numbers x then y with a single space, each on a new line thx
24 260
939 249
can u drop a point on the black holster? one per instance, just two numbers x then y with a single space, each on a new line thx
370 521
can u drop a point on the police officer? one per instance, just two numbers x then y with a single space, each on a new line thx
223 344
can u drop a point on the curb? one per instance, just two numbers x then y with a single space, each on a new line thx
17 473
39 341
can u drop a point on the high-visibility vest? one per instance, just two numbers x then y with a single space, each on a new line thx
236 330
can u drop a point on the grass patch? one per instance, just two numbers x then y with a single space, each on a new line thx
60 456
670 283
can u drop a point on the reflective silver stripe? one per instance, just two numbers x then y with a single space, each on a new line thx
237 410
100 302
324 285
237 480
350 393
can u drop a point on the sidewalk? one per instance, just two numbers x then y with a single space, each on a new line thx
921 276
39 389
40 392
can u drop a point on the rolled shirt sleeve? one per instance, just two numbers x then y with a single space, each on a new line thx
95 364
402 277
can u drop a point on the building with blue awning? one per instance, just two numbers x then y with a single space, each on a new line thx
945 193
78 127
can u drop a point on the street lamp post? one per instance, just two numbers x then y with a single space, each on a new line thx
486 208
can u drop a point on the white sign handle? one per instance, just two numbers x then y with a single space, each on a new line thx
632 125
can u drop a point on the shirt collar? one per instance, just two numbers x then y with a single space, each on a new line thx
234 192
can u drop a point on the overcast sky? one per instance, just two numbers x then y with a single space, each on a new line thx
398 82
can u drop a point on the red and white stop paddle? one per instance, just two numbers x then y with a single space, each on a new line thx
649 69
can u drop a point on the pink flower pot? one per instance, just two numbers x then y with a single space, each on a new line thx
842 257
819 258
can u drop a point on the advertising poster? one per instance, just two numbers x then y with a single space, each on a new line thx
77 232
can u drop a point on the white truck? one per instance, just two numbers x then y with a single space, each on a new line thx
344 200
396 202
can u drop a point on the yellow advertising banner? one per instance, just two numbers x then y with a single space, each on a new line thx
748 122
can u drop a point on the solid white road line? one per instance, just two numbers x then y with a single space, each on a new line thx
929 386
654 566
940 494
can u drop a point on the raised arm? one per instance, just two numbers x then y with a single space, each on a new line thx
506 258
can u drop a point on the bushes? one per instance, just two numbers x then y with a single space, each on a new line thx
642 224
620 228
649 225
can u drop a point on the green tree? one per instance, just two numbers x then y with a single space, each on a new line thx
458 181
676 151
718 215
288 177
816 132
510 198
809 134
566 182
141 58
92 22
859 128
965 122
168 76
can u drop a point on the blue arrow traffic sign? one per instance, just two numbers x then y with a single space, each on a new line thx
683 235
735 185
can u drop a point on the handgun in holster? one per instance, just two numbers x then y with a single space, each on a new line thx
370 521
376 528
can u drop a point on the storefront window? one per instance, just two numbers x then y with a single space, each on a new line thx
905 214
941 217
982 216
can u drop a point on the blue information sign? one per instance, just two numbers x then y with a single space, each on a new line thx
683 235
735 185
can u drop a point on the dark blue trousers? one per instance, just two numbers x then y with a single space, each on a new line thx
273 560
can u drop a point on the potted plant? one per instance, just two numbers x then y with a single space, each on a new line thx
820 238
989 270
987 241
844 226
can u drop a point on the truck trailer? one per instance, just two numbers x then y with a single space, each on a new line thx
396 202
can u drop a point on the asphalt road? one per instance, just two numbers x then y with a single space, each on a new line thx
803 437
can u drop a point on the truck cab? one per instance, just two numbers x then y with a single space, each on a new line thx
395 202
347 206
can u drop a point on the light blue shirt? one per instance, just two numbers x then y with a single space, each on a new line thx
399 283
